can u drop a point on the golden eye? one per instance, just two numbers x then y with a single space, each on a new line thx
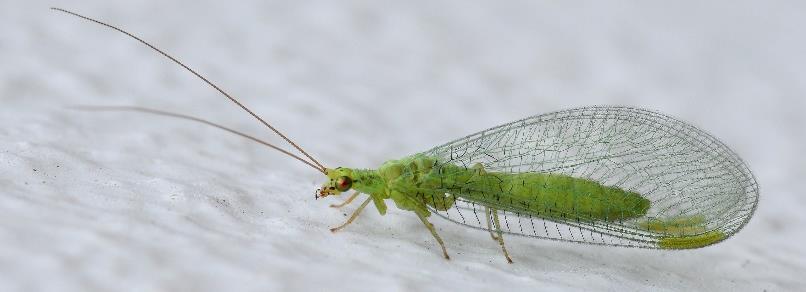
343 183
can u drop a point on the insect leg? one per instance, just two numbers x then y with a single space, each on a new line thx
348 201
479 169
434 233
500 235
490 218
352 217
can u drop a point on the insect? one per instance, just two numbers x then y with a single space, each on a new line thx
602 175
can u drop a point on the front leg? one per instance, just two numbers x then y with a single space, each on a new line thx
348 201
352 217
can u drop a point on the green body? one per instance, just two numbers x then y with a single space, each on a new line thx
416 182
543 195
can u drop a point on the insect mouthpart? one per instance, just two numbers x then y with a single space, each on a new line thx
324 192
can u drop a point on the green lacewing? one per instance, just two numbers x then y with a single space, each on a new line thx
604 175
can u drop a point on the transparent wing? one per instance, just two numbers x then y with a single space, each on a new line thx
682 170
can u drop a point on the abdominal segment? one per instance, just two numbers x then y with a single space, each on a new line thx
546 195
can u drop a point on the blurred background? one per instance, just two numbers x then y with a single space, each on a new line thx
126 201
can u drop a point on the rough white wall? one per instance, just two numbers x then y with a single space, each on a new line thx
116 202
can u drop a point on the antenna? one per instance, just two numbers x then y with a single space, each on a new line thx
318 166
191 118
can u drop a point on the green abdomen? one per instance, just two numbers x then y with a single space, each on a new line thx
551 196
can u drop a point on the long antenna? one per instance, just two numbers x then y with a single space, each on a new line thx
195 119
320 166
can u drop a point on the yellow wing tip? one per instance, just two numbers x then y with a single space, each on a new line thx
683 232
691 241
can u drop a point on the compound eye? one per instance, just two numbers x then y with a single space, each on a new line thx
343 183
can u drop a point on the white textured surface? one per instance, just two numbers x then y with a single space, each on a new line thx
117 202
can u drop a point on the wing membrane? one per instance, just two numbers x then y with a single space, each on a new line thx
684 171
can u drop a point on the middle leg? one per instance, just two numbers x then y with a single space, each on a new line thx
434 233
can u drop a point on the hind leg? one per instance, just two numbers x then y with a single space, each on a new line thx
500 237
490 218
